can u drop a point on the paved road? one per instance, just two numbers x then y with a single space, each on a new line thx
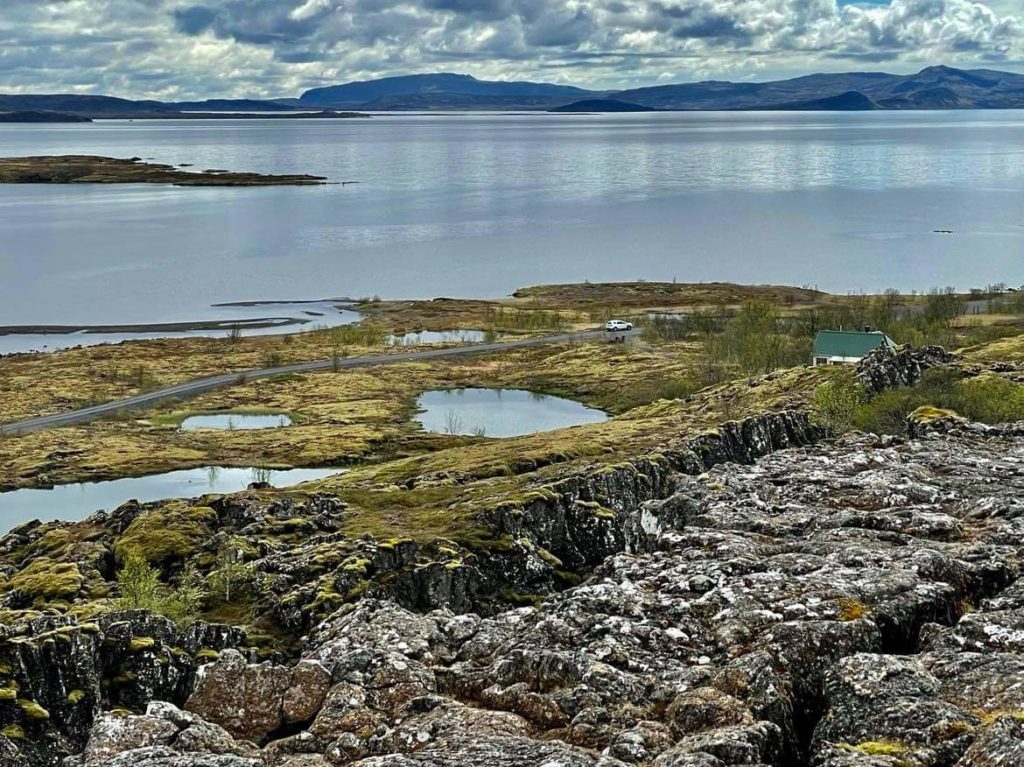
202 385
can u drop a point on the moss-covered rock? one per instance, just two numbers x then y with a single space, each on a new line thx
43 579
167 534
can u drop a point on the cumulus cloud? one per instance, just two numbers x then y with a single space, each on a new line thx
194 48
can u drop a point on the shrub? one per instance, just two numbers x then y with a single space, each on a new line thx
233 579
139 584
988 399
184 603
887 412
991 399
835 403
754 341
140 587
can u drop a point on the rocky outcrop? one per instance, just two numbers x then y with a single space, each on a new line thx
887 368
856 604
253 701
584 519
57 675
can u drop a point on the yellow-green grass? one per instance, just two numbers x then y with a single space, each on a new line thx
343 417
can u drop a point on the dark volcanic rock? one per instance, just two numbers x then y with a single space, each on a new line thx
887 368
63 673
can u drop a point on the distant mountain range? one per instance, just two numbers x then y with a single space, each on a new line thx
932 88
937 87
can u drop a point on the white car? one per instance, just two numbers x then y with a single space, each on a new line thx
618 326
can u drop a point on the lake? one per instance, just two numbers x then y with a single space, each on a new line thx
77 501
480 204
499 412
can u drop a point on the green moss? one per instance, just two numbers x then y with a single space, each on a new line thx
568 578
138 644
33 710
8 693
75 697
207 654
45 579
877 748
356 591
927 414
549 558
327 598
852 609
991 717
359 565
13 732
514 597
173 532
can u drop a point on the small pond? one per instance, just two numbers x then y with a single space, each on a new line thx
500 412
235 421
438 337
78 501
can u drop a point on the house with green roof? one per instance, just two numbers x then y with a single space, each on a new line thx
846 347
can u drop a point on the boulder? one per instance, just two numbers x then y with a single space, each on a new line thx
245 699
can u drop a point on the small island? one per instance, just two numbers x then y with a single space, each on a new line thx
86 169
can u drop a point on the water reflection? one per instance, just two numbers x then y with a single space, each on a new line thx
77 501
235 421
499 412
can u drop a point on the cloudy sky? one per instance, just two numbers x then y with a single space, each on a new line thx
199 48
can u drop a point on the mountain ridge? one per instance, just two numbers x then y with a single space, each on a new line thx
934 87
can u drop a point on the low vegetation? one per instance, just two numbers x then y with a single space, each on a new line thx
840 404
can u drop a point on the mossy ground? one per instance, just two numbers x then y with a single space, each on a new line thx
340 417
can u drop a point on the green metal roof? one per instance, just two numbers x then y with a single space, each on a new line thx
843 343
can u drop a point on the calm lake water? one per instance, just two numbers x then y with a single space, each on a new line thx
235 421
499 412
478 205
78 501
